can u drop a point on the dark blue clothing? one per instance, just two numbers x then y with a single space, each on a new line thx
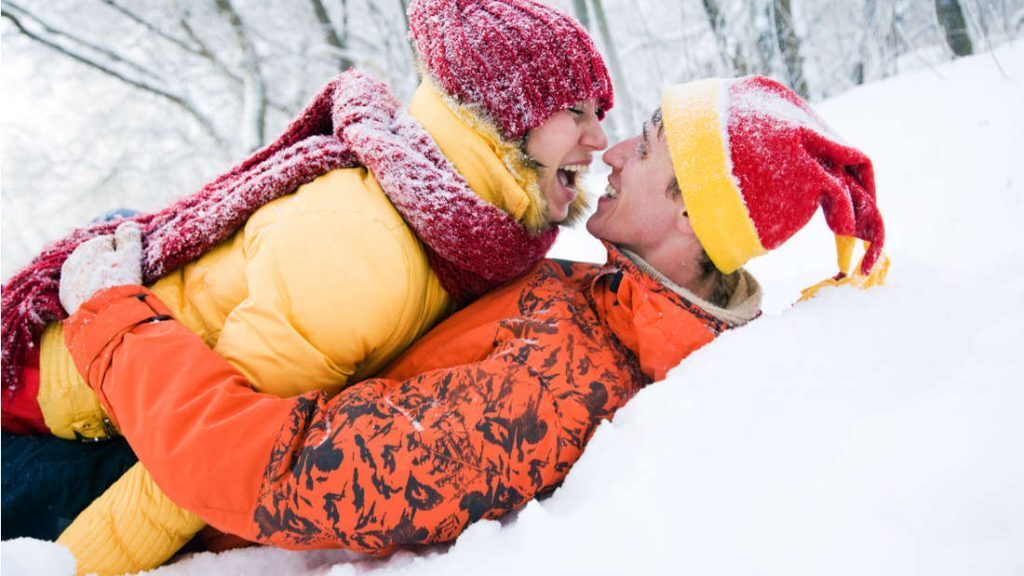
47 481
116 214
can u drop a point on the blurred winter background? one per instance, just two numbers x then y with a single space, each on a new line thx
860 433
129 103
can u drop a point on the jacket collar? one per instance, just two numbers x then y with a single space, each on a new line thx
744 304
659 325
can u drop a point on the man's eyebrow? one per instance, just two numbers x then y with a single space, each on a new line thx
645 129
659 121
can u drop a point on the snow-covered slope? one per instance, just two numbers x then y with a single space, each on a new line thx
869 432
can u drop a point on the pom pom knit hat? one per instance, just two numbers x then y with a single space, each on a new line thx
754 163
518 60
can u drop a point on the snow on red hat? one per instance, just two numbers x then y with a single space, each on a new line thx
754 162
519 60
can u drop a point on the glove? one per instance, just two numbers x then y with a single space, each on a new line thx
101 262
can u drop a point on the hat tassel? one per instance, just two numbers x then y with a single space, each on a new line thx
851 277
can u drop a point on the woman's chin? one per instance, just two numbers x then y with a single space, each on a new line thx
557 217
558 211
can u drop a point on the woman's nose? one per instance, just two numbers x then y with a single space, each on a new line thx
594 136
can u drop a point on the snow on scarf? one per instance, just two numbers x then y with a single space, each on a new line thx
355 120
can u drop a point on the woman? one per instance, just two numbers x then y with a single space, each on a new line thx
404 219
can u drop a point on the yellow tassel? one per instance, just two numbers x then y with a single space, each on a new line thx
844 252
854 277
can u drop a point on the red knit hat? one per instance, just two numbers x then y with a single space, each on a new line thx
519 60
754 163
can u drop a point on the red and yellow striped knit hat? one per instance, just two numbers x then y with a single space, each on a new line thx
754 163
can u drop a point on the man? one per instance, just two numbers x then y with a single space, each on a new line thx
496 404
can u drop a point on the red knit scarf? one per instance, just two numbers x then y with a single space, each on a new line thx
355 120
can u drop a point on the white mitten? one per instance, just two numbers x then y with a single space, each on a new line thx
101 262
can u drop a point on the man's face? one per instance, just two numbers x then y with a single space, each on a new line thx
638 211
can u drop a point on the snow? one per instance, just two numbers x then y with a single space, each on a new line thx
872 432
35 557
740 101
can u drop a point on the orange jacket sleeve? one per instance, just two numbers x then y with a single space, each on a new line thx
178 403
382 464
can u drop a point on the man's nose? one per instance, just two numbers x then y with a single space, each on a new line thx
616 155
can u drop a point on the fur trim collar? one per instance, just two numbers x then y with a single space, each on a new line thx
744 303
512 155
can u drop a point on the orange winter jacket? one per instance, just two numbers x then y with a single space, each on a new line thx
482 414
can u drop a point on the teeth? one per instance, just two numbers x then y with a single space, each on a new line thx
572 174
610 191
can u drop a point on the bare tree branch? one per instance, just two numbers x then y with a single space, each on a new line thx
193 46
134 17
612 54
202 50
200 47
951 17
579 8
331 35
255 101
984 36
404 4
204 122
716 19
789 45
82 41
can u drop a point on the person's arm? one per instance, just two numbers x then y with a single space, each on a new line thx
382 464
132 526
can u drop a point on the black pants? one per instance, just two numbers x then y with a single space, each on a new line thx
47 481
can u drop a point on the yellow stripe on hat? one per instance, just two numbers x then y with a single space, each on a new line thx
698 145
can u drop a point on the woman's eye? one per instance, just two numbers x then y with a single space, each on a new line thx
576 111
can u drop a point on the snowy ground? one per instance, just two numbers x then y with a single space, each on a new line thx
869 432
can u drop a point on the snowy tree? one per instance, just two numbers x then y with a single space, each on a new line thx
789 45
133 103
951 17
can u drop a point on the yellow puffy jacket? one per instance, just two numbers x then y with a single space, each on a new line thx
319 287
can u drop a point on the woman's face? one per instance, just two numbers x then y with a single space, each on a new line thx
563 148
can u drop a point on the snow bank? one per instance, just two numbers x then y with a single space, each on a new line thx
860 433
36 558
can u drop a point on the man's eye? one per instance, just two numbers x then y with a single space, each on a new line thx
641 149
576 111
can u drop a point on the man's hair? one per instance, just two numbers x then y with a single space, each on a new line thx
725 284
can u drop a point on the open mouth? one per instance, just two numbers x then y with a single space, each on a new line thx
571 175
610 191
